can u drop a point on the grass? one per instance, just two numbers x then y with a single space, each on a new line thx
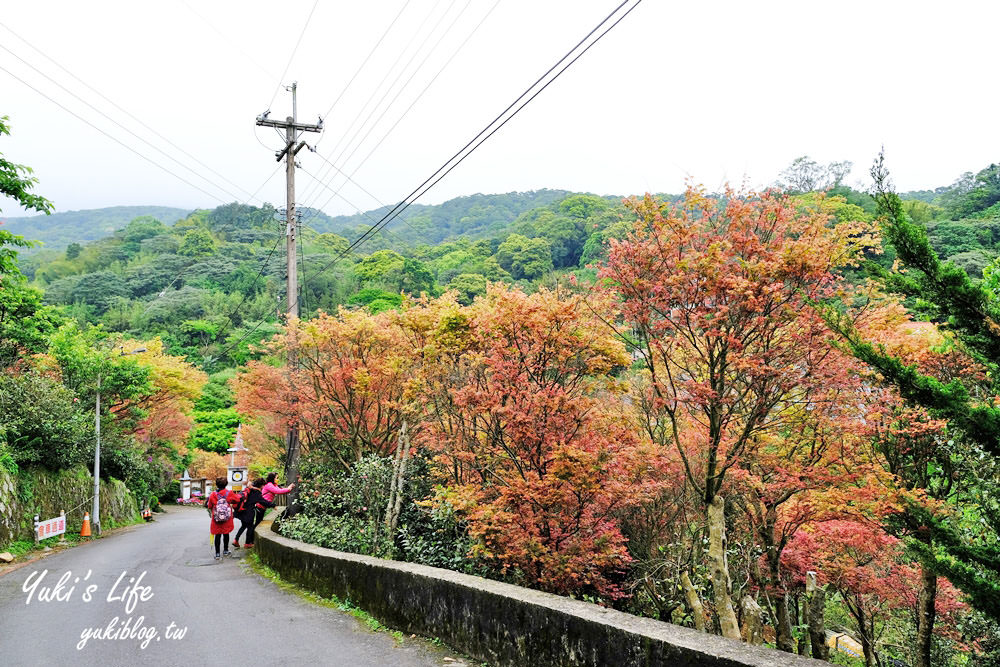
253 563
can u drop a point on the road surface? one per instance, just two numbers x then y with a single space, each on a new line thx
154 595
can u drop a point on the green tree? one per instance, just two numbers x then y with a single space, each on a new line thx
73 251
43 421
197 242
415 278
99 290
381 266
525 258
468 286
333 244
968 555
16 180
25 322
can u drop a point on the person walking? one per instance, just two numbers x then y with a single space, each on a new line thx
220 506
269 491
247 512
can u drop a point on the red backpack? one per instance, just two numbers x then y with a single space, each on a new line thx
242 504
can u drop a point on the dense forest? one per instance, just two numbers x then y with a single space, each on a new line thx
681 406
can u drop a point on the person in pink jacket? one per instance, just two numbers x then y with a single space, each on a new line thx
269 491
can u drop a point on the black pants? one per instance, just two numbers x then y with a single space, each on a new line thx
258 517
248 525
225 541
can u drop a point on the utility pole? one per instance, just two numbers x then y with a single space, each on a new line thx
293 130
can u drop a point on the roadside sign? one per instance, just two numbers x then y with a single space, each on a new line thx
50 527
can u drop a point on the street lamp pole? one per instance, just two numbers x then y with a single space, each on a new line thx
95 511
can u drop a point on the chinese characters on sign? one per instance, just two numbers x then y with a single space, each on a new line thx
50 527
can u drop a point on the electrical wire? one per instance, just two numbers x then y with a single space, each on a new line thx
508 119
465 151
375 91
415 100
363 63
336 193
305 274
233 43
399 92
113 138
112 103
292 57
436 177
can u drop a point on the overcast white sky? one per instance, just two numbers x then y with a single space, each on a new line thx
711 91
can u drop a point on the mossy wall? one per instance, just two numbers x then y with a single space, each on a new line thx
36 491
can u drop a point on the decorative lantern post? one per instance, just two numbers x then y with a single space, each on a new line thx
237 473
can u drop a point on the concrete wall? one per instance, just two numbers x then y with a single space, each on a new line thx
46 493
500 623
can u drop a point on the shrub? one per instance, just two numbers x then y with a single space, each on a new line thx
43 422
346 511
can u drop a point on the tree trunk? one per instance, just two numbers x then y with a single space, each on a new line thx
815 612
693 601
925 615
721 583
396 484
869 650
783 625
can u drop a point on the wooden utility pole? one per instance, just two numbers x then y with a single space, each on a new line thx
293 130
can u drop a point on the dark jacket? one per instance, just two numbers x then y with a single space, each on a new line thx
250 500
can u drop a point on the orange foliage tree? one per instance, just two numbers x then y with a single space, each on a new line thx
716 294
539 451
345 393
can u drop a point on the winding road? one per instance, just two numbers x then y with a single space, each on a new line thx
154 595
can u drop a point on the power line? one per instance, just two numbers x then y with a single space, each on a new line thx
410 107
365 62
516 111
336 193
113 138
292 57
112 103
406 84
384 230
438 175
229 39
375 91
115 122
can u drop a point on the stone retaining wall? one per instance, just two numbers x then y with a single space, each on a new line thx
46 493
500 623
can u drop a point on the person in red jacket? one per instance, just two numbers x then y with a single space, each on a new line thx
221 507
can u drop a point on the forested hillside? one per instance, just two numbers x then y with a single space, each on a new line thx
205 283
59 230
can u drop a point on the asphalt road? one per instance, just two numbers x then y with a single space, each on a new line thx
183 608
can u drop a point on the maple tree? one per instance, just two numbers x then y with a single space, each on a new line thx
717 293
868 569
538 450
345 392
